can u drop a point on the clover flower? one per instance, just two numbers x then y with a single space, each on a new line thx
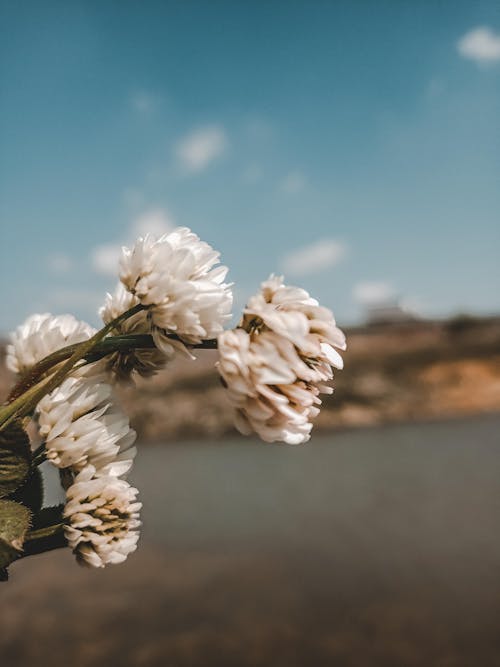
102 515
278 361
172 294
143 361
41 335
176 276
81 425
293 314
269 398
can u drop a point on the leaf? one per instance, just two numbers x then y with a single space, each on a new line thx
14 524
31 493
48 516
4 574
47 532
15 458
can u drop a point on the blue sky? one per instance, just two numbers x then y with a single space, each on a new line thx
354 146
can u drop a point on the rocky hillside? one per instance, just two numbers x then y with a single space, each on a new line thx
417 371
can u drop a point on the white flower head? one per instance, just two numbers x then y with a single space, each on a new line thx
102 515
81 425
144 361
176 275
262 375
41 335
292 313
278 361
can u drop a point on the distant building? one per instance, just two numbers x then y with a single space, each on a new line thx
388 313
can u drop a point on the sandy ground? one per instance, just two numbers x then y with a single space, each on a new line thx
372 547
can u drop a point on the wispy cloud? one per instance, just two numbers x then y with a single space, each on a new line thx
314 258
259 129
83 302
252 174
156 221
435 88
294 182
71 298
104 257
143 103
59 263
133 198
372 293
196 151
480 44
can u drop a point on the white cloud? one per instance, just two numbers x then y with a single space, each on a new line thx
143 103
481 44
372 293
105 257
59 263
74 298
132 198
252 174
293 183
314 258
156 221
259 129
197 150
435 88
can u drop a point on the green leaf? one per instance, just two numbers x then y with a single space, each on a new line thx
47 532
31 493
7 554
48 516
15 458
14 524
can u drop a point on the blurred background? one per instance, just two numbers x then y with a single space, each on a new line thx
353 147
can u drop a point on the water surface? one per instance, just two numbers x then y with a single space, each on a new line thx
377 547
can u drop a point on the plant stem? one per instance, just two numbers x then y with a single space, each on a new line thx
122 343
44 539
46 531
25 403
39 455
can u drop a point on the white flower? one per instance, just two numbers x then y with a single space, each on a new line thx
102 518
146 361
278 361
41 335
292 313
263 376
81 425
175 276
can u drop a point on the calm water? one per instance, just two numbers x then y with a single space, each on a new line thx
377 547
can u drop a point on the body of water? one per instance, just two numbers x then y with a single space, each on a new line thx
370 547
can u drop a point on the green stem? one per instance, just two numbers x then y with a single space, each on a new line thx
46 531
9 412
33 375
44 539
25 404
121 343
39 456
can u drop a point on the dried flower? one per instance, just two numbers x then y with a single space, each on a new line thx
260 373
175 276
293 314
81 425
278 361
144 361
102 518
41 335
